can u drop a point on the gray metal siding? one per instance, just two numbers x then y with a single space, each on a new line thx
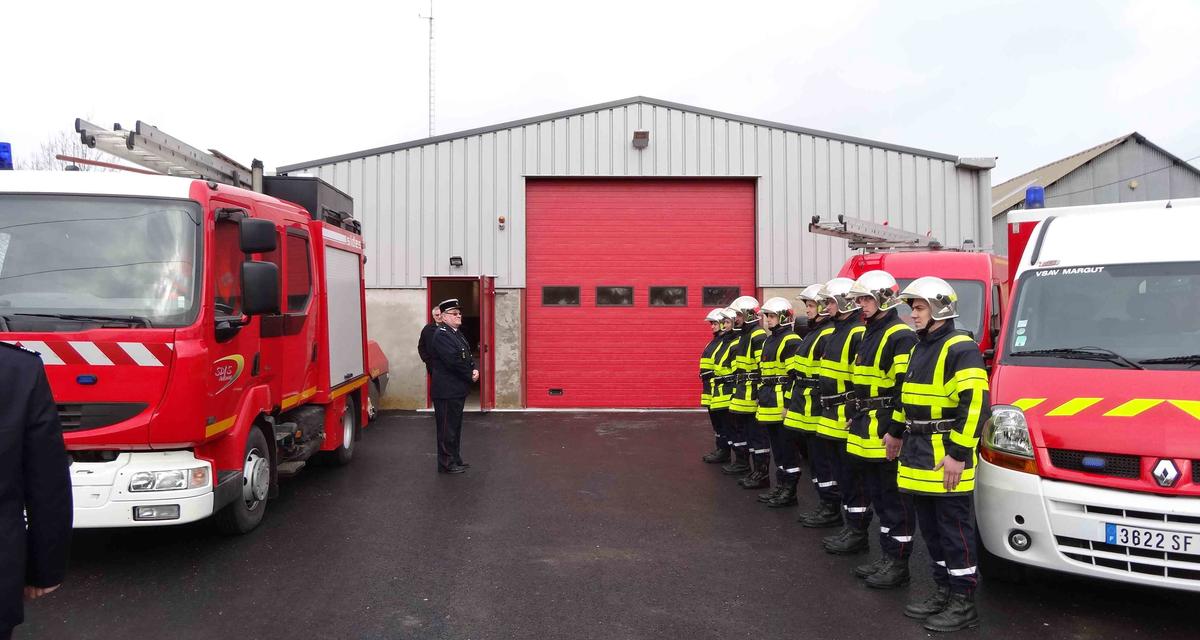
420 205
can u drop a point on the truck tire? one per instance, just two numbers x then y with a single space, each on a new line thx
372 401
993 567
245 513
349 422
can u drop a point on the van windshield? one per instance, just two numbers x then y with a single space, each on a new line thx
970 305
92 258
1107 316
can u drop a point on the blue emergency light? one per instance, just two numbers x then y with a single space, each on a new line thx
5 156
1035 197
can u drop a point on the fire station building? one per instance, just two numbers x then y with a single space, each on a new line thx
588 245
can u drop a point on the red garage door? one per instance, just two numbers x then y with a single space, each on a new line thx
620 274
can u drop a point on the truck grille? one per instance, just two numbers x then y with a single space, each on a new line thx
1179 566
93 415
1107 464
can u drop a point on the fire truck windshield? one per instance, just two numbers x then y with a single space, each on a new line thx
970 305
91 258
1107 316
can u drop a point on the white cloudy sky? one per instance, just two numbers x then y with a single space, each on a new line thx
291 81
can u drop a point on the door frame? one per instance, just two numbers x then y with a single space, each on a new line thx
487 335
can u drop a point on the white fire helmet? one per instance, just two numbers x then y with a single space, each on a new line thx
780 307
747 307
812 293
715 315
729 313
838 290
879 285
942 300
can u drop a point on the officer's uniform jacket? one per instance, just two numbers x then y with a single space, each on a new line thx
721 382
946 381
837 357
35 484
708 369
804 405
452 364
747 351
775 386
879 367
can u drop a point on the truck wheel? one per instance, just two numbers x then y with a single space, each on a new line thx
244 514
993 567
372 401
349 422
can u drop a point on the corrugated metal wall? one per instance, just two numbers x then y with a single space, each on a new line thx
424 204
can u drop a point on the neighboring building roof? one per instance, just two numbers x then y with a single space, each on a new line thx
1010 192
609 105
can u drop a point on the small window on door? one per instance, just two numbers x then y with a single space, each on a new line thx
227 270
299 274
719 296
668 296
614 296
560 296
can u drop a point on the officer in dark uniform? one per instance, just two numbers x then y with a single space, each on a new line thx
879 368
773 395
454 370
944 404
425 344
710 396
35 487
804 409
750 438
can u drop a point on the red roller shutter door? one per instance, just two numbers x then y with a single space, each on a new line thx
628 233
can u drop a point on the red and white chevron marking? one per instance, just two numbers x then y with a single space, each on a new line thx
100 354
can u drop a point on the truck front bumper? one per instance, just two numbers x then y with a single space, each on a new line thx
103 498
1066 526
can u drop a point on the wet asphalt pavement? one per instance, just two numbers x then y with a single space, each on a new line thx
568 525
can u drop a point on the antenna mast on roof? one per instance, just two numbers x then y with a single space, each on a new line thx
431 94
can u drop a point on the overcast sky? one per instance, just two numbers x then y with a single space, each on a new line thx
1029 82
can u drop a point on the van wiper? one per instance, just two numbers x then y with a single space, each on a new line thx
133 320
1193 360
1083 353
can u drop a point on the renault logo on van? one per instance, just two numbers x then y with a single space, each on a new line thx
1165 473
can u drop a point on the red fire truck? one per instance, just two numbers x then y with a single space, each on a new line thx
204 336
1091 461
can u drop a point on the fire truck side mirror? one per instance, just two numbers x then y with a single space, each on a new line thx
260 288
257 235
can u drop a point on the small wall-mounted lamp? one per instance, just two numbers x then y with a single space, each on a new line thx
500 220
455 261
641 139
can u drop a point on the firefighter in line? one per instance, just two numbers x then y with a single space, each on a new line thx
712 396
804 411
774 391
837 358
879 367
944 404
749 440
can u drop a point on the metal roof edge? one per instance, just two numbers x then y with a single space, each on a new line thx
609 105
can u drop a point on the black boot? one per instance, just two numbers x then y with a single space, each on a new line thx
866 570
716 456
892 575
785 498
767 496
828 515
840 535
739 465
934 604
959 614
760 476
851 543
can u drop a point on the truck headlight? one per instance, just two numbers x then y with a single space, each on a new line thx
172 480
1008 432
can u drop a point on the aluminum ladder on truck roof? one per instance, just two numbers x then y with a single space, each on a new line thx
147 146
871 236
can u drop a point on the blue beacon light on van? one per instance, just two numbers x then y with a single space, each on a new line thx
87 379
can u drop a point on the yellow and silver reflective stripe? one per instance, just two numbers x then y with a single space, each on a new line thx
1128 409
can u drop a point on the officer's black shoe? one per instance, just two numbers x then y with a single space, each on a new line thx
785 498
892 575
828 515
934 604
767 496
845 531
716 456
756 480
740 465
465 465
453 468
851 543
959 614
866 570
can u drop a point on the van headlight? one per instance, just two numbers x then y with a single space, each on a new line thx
1008 432
172 480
